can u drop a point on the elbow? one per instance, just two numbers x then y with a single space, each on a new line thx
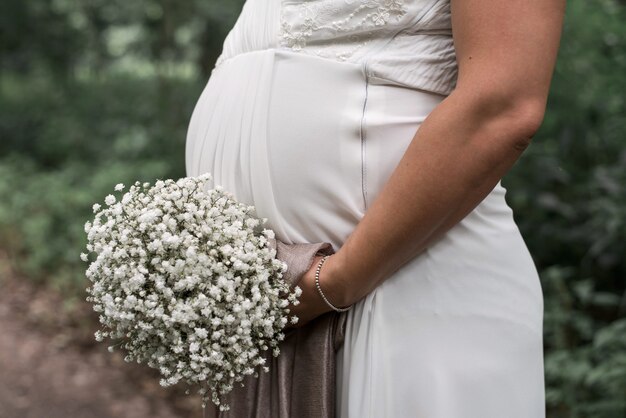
523 119
511 116
527 115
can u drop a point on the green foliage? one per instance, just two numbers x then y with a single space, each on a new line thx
70 37
92 94
569 195
43 212
88 138
101 92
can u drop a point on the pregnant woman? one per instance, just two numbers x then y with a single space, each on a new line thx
384 127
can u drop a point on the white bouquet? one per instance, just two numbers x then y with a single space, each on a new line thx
185 281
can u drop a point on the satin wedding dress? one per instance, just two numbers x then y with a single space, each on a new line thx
306 114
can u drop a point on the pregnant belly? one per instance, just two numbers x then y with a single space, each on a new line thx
308 141
311 142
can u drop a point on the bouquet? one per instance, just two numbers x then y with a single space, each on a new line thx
184 280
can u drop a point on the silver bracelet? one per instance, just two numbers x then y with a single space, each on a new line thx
319 289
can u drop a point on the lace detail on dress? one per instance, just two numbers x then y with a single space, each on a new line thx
312 22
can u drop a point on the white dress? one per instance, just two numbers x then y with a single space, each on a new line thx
306 114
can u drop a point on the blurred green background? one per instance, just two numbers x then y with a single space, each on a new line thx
100 92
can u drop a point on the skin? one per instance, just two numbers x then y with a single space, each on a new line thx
506 53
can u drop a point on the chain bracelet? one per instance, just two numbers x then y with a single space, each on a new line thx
319 289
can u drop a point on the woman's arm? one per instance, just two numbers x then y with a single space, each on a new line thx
506 52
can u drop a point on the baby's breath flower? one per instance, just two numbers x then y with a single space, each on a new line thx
184 280
109 200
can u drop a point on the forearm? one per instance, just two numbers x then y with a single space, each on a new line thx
455 159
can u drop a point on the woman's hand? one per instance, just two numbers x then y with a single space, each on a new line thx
311 303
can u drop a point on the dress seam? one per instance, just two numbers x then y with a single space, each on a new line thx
363 141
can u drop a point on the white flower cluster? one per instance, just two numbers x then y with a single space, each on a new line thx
185 281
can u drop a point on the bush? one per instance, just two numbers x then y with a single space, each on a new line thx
87 139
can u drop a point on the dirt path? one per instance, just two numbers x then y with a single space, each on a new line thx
51 367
